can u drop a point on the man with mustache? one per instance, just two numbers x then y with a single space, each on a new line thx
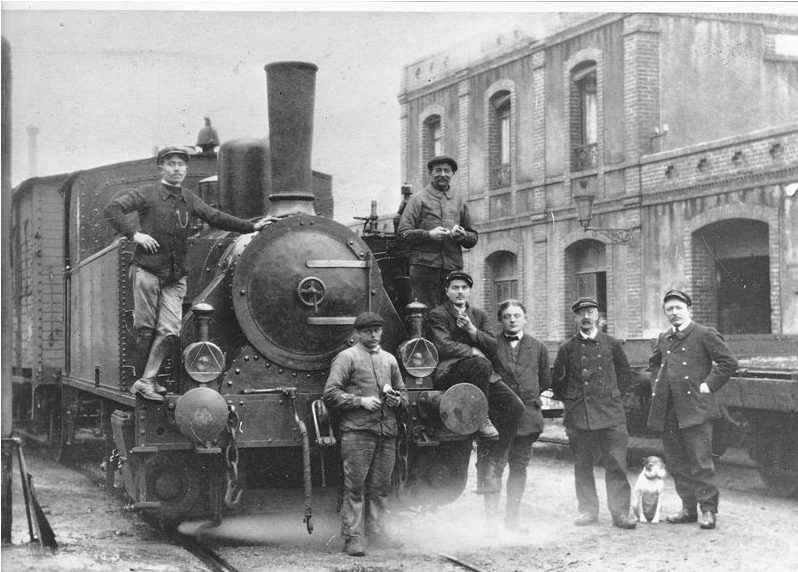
688 364
437 226
591 374
167 213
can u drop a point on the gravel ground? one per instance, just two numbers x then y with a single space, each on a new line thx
756 531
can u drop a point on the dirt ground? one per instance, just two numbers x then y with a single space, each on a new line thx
756 531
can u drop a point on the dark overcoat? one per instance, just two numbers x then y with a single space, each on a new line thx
679 363
527 376
590 377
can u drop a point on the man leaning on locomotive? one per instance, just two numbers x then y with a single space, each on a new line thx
166 212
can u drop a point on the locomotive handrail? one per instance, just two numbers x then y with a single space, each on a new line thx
110 248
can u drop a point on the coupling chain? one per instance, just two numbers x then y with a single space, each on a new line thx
232 493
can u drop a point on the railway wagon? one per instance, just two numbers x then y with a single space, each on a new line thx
264 315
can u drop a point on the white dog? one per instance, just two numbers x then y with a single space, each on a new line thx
648 490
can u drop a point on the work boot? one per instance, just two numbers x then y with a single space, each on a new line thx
490 482
146 389
158 388
488 432
353 547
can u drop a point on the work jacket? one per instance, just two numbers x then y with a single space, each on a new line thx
453 343
679 363
169 216
358 372
430 209
590 377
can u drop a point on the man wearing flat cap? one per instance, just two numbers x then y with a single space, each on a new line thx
689 363
590 376
464 338
167 213
437 226
365 388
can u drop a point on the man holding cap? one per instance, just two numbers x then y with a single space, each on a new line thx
591 374
166 218
365 387
465 343
688 364
437 225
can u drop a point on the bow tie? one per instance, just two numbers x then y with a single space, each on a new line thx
512 338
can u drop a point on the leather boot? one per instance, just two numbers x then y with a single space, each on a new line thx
146 389
490 480
161 346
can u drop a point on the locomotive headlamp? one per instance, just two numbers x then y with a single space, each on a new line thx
419 357
203 361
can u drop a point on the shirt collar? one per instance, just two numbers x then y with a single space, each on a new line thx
683 327
167 190
519 334
586 337
435 192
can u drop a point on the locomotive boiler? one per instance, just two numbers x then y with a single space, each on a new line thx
264 315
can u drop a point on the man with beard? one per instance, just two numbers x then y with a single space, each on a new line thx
688 364
591 374
437 226
465 343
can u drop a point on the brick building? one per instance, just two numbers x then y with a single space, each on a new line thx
680 132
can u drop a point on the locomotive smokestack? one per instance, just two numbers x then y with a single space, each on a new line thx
291 92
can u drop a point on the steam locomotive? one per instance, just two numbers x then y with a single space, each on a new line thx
264 315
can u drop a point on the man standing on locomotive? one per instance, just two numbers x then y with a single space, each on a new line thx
688 364
591 374
465 344
165 210
437 225
365 388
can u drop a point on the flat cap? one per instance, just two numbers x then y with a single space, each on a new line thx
459 275
442 159
584 303
679 295
171 150
368 320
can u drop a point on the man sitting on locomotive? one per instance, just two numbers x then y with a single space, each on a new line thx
365 387
165 210
466 344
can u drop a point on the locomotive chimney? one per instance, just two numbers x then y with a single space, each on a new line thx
291 92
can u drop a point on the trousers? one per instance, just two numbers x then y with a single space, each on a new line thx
688 454
368 461
612 443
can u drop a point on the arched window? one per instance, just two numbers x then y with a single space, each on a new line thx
499 140
433 143
502 274
586 274
584 117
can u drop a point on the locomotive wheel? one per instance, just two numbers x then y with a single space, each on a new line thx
438 475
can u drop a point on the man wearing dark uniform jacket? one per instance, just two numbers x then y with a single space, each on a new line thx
688 364
166 217
591 374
